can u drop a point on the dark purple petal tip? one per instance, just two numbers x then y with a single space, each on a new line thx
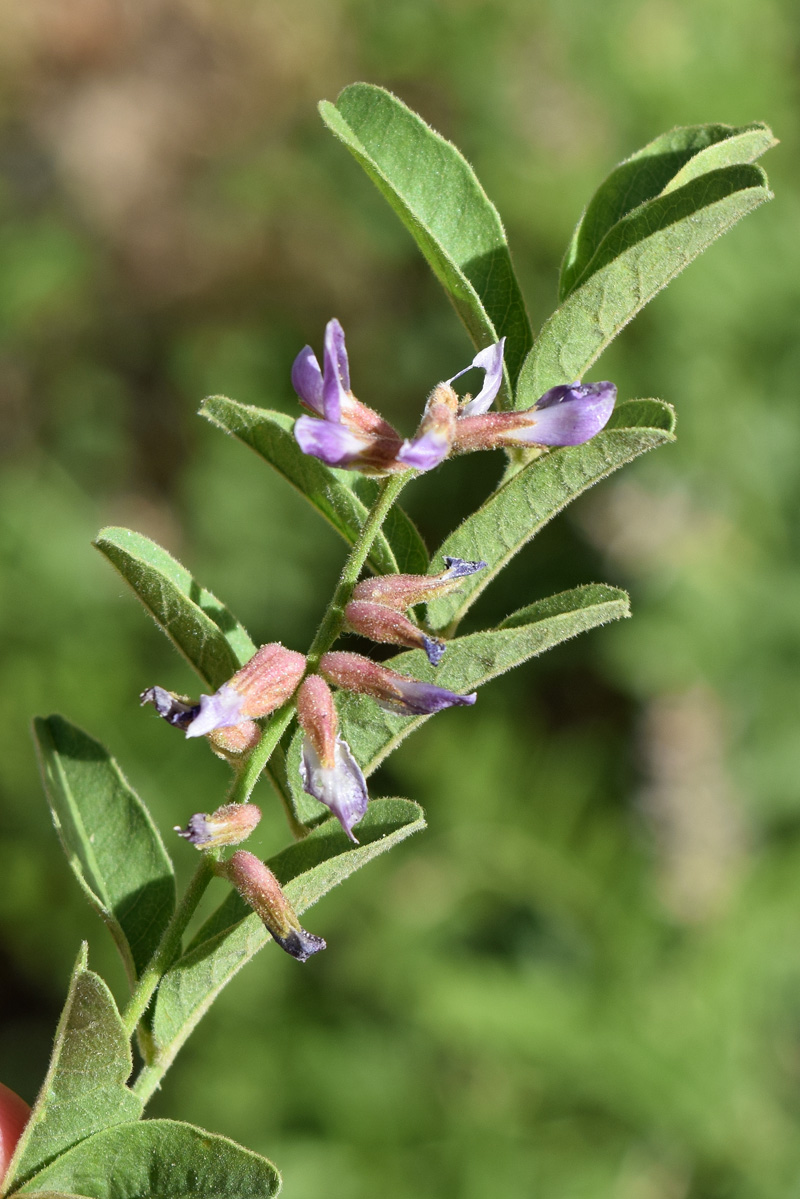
423 699
434 649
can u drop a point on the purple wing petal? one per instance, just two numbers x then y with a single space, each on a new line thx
489 360
333 444
336 374
425 452
422 699
569 415
217 711
340 787
307 379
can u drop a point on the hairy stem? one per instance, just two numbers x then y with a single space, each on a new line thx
169 946
329 629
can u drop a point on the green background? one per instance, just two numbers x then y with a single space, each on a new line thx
584 979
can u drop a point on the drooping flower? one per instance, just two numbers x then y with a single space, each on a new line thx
262 685
260 889
229 825
346 433
377 607
328 769
393 691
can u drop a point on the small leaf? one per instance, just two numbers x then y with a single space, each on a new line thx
231 936
514 513
201 627
638 256
667 163
84 1089
437 196
112 845
471 661
342 497
158 1159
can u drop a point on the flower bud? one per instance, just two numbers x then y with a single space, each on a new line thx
433 439
235 740
229 825
404 591
393 691
328 769
259 888
262 685
390 627
14 1114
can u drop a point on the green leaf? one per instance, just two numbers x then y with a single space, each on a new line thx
471 661
112 845
665 164
202 628
343 497
84 1089
437 196
639 256
519 508
233 934
158 1159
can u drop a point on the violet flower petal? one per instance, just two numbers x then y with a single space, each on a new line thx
333 444
490 360
307 379
459 568
425 452
422 699
569 414
217 711
340 787
336 372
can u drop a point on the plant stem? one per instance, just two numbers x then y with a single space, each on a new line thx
168 947
328 631
331 624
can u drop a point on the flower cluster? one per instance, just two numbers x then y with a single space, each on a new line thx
345 432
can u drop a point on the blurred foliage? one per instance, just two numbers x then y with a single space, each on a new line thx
584 979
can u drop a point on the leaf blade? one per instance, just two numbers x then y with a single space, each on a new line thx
664 164
638 257
207 634
514 513
341 500
111 842
162 1159
437 196
84 1089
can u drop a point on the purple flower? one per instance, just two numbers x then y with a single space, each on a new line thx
393 691
328 769
565 415
346 433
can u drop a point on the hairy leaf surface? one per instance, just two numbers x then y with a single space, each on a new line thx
84 1089
112 845
437 196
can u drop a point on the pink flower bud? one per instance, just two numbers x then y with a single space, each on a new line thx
396 692
235 740
262 685
259 888
390 627
229 825
404 591
328 769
